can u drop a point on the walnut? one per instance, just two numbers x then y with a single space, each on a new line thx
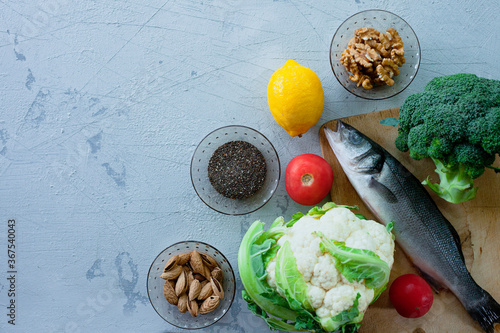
385 41
397 54
366 82
382 51
366 33
356 75
397 51
387 70
373 58
354 40
390 65
385 74
393 36
365 55
361 79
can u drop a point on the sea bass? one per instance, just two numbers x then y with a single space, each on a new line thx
392 193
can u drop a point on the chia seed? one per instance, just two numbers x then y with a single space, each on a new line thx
237 170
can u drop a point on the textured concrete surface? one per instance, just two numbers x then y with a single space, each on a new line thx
103 104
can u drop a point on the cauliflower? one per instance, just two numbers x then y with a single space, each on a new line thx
328 293
327 265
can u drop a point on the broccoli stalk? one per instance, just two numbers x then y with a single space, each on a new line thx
455 185
456 122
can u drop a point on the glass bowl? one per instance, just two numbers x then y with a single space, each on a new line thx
380 20
170 312
199 170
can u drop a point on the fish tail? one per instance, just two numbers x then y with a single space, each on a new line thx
486 312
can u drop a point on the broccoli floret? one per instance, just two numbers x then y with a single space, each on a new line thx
439 148
456 122
485 131
418 141
402 140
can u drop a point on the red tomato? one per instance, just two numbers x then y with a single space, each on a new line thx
308 179
411 296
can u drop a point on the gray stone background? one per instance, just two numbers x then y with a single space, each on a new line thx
103 104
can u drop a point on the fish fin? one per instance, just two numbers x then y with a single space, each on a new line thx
486 312
435 285
383 190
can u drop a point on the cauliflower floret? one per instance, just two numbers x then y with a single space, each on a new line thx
367 294
338 223
337 300
341 298
306 259
325 273
305 246
316 296
361 239
366 298
383 240
323 312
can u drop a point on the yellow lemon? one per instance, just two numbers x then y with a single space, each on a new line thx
295 97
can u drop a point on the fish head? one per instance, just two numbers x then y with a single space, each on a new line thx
355 152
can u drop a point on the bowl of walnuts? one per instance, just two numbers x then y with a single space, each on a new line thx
375 54
191 285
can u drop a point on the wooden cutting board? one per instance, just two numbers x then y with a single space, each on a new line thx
477 222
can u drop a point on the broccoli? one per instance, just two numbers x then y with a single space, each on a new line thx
456 122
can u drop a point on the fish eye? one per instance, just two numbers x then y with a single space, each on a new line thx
355 138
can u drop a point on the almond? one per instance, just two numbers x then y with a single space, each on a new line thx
217 274
171 263
196 262
172 283
190 278
184 258
206 272
188 264
192 307
194 289
169 293
181 284
208 260
217 288
209 304
172 273
183 302
206 291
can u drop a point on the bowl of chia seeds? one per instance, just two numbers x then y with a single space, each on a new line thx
235 170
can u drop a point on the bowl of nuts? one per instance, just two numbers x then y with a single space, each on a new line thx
375 54
191 285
